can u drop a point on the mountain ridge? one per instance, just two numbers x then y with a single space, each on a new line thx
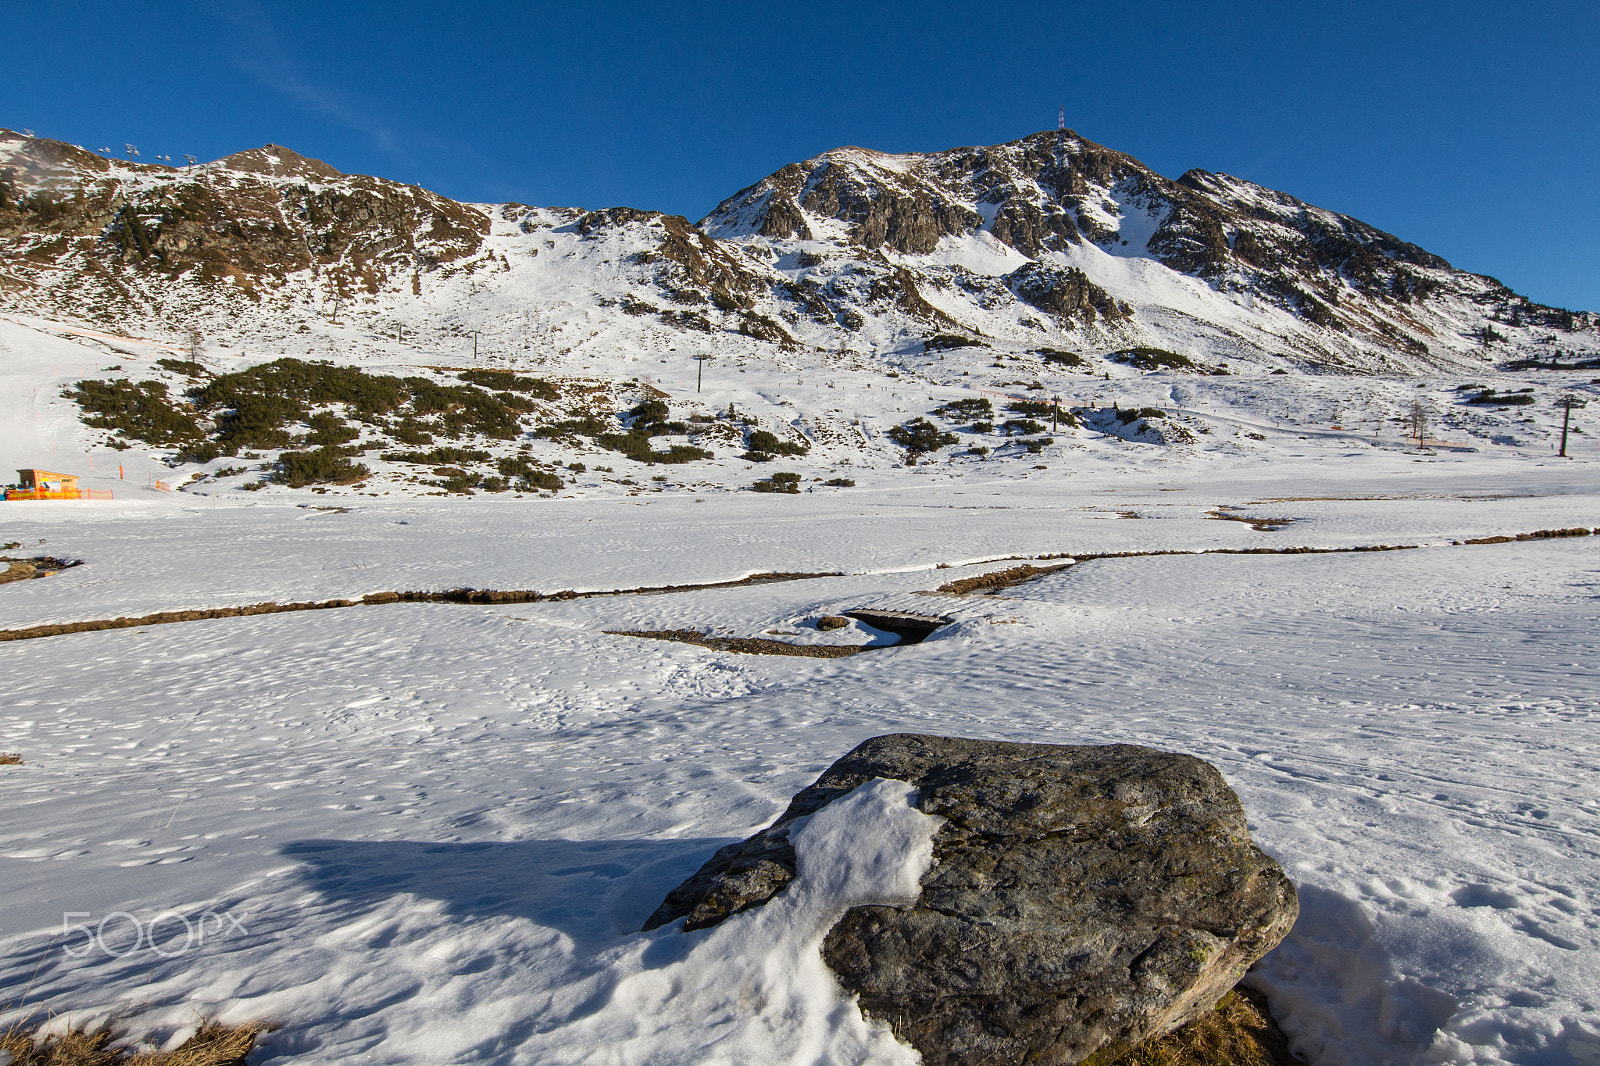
1047 242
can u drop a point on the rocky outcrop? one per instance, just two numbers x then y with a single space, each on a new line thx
267 212
904 215
1066 292
1080 898
279 162
692 268
1028 229
784 219
898 288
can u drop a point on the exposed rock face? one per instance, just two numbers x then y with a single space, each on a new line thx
253 216
785 220
1050 191
1080 898
691 267
899 289
1067 292
280 162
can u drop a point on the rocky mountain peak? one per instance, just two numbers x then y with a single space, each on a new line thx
279 162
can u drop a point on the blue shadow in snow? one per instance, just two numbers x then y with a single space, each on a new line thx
591 890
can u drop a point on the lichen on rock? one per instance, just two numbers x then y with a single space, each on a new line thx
1080 897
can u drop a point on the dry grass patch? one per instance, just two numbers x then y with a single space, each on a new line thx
1538 534
998 579
211 1045
23 569
1240 1032
1260 525
1343 499
10 758
17 572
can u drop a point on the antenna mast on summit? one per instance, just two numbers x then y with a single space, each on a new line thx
1061 134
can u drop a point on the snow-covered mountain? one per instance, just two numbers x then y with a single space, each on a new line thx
1048 244
1056 233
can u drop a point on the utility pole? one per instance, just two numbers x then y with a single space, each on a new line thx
700 369
1055 411
474 346
1567 403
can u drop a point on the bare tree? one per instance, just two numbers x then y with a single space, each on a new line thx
335 293
1418 421
195 343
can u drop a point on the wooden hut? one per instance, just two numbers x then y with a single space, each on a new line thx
52 485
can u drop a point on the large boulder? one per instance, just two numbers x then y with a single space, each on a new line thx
1081 899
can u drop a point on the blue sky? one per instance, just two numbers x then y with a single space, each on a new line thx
1468 128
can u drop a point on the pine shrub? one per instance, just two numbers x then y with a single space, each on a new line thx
919 436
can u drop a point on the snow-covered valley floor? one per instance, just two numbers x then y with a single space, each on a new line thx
429 832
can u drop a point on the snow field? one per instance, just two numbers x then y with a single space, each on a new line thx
421 833
178 552
440 825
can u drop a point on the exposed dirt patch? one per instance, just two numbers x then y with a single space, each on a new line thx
10 758
998 579
166 617
743 645
528 596
476 596
1343 499
1260 525
1538 534
18 572
498 596
1086 557
25 569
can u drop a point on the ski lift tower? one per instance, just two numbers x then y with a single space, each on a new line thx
1568 404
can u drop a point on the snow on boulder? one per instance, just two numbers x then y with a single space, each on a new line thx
1079 897
755 989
